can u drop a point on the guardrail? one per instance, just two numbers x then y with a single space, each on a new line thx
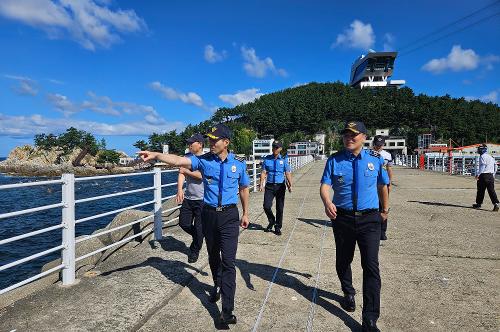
457 165
69 222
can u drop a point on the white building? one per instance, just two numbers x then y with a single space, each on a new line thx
124 161
304 148
393 144
320 138
262 147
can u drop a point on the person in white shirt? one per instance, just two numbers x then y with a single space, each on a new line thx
378 145
486 178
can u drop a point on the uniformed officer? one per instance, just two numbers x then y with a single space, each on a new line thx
192 200
359 182
378 145
224 177
275 174
486 178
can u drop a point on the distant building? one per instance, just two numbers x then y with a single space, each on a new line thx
262 147
124 161
320 138
165 148
437 150
304 148
395 145
374 70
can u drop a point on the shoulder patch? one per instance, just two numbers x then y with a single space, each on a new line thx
239 158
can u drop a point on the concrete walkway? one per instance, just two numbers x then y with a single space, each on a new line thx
440 272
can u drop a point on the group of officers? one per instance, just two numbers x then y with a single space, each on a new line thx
359 210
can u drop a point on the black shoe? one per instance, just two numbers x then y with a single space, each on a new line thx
269 228
227 319
369 325
495 208
214 294
383 237
476 206
348 303
277 231
193 256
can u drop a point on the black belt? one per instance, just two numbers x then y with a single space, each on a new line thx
219 208
356 213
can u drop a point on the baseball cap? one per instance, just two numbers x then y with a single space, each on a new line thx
379 140
196 138
356 127
277 144
220 131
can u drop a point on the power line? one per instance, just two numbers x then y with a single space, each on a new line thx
447 26
449 34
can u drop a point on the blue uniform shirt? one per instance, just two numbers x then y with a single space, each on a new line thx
221 179
354 179
275 168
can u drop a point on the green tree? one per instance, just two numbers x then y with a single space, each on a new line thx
108 156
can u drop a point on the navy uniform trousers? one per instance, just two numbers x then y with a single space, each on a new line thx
273 190
190 221
486 181
364 230
221 231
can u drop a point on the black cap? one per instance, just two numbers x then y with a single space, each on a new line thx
355 127
277 144
379 140
220 131
195 138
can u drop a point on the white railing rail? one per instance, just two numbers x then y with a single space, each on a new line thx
69 222
455 165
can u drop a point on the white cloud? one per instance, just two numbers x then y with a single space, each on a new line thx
172 94
491 97
212 56
91 24
489 60
23 126
389 40
256 67
26 85
457 60
241 97
105 105
296 85
62 104
359 35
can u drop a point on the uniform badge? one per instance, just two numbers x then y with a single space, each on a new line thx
233 168
281 162
209 180
371 167
340 179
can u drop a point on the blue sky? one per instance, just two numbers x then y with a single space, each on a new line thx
123 69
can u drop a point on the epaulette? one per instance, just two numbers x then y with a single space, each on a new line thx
374 153
336 153
206 155
242 159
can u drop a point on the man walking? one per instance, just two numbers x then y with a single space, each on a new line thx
359 182
276 172
192 199
486 178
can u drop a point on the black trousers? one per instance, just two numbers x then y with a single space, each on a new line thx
221 230
486 181
364 230
190 222
273 190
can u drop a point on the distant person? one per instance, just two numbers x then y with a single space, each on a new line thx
378 145
192 199
359 182
486 178
275 177
224 179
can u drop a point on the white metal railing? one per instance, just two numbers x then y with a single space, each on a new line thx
457 165
68 223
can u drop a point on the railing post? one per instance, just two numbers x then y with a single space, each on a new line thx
463 165
158 225
68 231
254 170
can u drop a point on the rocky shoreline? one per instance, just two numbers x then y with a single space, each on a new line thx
31 161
